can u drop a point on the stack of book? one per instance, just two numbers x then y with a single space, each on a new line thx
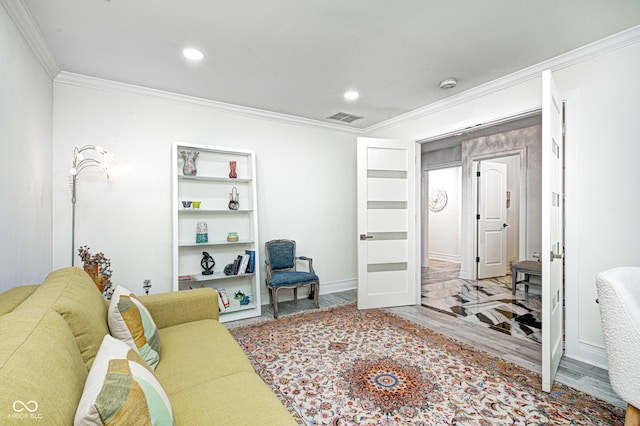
244 263
223 300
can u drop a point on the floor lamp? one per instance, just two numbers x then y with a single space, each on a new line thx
84 158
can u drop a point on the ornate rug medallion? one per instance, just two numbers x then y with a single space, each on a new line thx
387 384
350 367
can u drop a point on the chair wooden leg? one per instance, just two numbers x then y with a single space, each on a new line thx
632 418
514 279
295 294
275 303
316 289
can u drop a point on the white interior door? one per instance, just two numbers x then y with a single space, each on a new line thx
552 231
387 226
492 220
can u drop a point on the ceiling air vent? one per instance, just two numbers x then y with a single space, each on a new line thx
345 117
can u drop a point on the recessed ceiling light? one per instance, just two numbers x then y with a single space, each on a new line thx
351 95
193 54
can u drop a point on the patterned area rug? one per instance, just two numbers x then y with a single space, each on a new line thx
345 367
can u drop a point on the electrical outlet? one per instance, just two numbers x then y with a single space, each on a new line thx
146 286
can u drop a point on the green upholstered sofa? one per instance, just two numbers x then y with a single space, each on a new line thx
50 334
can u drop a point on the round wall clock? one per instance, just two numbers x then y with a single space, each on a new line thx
437 199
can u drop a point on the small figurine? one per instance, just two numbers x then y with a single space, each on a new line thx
207 263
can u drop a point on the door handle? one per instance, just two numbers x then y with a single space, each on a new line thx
504 225
555 256
365 237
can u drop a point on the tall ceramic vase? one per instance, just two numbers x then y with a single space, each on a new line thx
202 232
189 166
232 172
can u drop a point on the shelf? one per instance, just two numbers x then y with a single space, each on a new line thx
213 277
211 187
216 243
196 211
230 310
214 179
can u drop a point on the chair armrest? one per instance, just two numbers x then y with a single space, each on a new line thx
309 262
179 307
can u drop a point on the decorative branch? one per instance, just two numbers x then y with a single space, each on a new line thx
98 267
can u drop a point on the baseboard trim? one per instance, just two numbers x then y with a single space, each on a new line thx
590 354
456 258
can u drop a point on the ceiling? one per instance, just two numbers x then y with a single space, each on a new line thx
299 57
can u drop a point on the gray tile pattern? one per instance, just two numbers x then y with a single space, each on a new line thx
486 303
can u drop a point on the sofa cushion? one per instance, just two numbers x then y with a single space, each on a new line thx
121 389
41 369
72 293
197 352
131 322
238 399
11 298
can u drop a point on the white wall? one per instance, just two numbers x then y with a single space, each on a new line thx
25 190
444 225
306 180
601 166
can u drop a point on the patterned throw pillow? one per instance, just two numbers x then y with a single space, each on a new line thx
131 322
121 389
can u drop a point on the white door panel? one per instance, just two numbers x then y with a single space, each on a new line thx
390 220
387 251
386 159
388 283
382 189
552 231
493 248
387 247
492 209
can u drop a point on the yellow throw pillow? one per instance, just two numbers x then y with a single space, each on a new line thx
121 389
131 322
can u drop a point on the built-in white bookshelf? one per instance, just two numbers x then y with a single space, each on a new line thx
212 186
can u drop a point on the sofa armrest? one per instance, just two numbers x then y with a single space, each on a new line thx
12 298
179 307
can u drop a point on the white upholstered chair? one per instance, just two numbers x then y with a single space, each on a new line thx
619 299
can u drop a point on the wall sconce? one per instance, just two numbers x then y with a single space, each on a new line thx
84 158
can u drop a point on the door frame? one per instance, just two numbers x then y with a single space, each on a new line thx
424 206
468 233
469 251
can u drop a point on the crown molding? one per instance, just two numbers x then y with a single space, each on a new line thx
581 54
31 35
80 80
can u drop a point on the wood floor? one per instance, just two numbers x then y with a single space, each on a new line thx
526 353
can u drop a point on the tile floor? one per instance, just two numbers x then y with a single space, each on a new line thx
487 303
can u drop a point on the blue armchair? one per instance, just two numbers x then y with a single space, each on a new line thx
281 272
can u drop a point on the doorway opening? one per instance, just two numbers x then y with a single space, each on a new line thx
474 283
